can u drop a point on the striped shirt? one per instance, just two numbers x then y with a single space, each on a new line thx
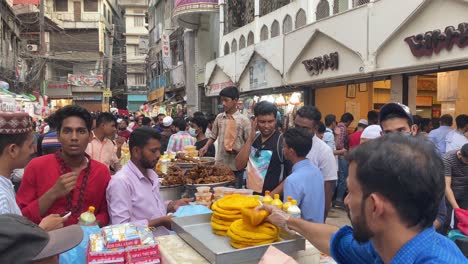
178 141
458 171
8 203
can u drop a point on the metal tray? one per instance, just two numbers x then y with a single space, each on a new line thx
196 231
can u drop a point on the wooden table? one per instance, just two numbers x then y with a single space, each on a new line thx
174 250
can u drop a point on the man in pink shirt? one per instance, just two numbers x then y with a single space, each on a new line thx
101 147
133 193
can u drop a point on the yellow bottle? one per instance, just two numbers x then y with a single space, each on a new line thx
277 202
267 198
287 204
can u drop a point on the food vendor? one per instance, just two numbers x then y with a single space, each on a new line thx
133 193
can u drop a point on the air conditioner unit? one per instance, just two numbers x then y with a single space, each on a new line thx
31 47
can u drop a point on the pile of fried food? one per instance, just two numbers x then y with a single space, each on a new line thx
207 174
235 216
173 177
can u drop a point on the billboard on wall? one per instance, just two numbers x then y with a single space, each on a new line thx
95 80
190 5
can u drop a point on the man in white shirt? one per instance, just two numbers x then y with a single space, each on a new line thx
321 155
455 139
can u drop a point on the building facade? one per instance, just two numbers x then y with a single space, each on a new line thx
348 56
136 40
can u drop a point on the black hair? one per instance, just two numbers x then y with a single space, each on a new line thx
180 123
160 115
461 121
425 122
198 113
16 139
321 127
347 117
73 110
372 117
140 137
145 121
124 120
201 122
265 108
446 120
231 92
52 122
417 119
299 139
464 150
397 115
415 186
211 118
104 118
310 112
329 119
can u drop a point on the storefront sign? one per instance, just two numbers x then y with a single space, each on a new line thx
88 98
85 80
166 51
7 104
215 89
317 65
426 44
63 86
107 94
185 5
56 89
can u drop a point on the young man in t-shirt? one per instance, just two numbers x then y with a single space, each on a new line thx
262 154
197 130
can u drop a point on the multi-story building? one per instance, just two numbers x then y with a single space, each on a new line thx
183 37
344 55
10 46
80 46
136 39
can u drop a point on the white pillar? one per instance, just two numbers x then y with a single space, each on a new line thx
396 90
222 6
412 93
350 4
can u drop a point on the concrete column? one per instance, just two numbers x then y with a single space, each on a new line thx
257 8
191 88
350 4
412 93
222 6
396 90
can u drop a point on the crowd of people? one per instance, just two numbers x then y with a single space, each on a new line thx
392 173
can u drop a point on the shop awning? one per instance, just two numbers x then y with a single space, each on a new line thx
29 96
5 91
137 97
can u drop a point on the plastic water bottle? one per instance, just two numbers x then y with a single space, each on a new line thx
294 210
88 218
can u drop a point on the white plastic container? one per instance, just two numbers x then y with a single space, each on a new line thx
294 210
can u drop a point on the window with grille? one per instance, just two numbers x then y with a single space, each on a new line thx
250 39
242 42
140 79
90 5
61 5
264 33
226 48
275 31
138 21
301 18
357 3
340 6
234 46
323 10
287 24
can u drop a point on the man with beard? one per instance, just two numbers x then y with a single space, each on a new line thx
391 215
69 180
133 193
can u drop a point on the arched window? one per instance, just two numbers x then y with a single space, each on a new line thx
323 10
226 49
287 24
275 31
340 6
301 18
250 39
234 45
357 3
242 42
264 33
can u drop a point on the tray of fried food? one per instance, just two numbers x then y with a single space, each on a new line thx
184 160
173 177
209 175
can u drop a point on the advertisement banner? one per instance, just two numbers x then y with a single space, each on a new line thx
181 5
166 51
86 80
156 95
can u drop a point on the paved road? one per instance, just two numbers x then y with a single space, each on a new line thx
337 217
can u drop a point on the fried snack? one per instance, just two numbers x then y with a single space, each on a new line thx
208 174
237 202
253 217
245 235
220 232
175 176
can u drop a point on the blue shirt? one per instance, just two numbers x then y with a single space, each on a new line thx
305 184
427 247
437 136
8 203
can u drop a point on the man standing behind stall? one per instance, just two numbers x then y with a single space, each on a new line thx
262 154
69 180
232 130
133 193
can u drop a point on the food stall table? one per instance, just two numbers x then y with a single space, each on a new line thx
174 250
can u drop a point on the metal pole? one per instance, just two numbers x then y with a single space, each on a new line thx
41 27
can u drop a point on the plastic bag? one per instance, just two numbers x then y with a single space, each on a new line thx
77 255
189 210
